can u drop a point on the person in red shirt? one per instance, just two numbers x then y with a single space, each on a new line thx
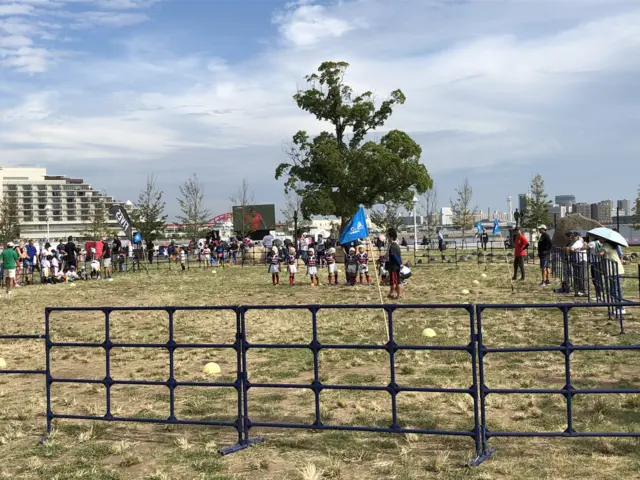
520 250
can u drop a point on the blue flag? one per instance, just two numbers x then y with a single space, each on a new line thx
479 227
356 228
496 227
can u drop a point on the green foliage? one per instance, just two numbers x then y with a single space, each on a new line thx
461 210
148 214
387 218
9 223
99 226
537 206
194 215
334 174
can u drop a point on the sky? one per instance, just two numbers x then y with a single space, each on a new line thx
497 90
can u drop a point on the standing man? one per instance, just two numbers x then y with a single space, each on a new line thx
70 250
9 259
442 246
106 258
579 254
544 252
394 264
520 250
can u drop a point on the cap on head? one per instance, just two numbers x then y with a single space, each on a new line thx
10 245
332 251
292 250
311 250
274 249
352 250
542 227
360 247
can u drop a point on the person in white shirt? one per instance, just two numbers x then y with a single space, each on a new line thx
579 261
593 247
72 274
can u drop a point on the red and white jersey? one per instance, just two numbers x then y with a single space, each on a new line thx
291 259
275 259
207 251
312 261
331 259
362 258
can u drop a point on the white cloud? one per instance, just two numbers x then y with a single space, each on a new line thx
487 83
15 9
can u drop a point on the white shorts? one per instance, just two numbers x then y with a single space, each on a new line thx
207 257
363 268
293 268
352 269
10 273
274 268
106 262
383 272
332 268
312 270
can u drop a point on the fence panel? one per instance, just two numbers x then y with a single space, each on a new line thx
393 388
568 391
171 383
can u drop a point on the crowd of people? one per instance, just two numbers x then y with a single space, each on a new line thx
285 257
583 259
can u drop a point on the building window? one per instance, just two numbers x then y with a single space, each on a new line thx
70 218
85 219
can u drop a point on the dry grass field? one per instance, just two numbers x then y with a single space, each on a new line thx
109 450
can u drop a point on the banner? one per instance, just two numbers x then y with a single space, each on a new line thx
122 217
479 227
496 227
356 228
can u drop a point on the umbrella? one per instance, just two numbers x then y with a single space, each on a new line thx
608 234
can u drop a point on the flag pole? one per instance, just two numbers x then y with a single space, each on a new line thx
384 317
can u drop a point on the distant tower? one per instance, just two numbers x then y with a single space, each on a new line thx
509 209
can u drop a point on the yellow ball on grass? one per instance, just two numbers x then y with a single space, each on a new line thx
429 332
212 368
3 364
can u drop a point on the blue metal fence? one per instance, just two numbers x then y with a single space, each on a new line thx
243 384
566 348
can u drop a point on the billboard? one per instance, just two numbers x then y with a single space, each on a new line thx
253 218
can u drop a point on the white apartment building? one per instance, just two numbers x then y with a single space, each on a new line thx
63 206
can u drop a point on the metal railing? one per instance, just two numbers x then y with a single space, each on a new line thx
243 384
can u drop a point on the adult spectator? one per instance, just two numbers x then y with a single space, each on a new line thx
579 261
32 256
404 243
566 264
484 239
150 250
593 248
520 245
106 258
117 246
442 246
544 252
614 270
22 262
394 264
10 259
71 250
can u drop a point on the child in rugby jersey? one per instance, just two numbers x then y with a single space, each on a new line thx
363 264
292 265
352 266
312 267
331 265
183 258
207 255
274 266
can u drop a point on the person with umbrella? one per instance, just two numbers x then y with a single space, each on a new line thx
610 241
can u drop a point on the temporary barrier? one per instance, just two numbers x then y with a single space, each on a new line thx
243 384
566 348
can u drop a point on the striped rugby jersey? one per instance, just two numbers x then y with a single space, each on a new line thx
312 261
363 258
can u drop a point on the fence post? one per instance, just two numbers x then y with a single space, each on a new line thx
484 451
47 348
567 350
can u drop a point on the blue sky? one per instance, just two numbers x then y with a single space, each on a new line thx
497 90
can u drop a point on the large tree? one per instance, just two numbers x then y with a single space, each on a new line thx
148 214
9 220
537 206
242 199
461 210
99 226
636 211
388 217
339 170
194 214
